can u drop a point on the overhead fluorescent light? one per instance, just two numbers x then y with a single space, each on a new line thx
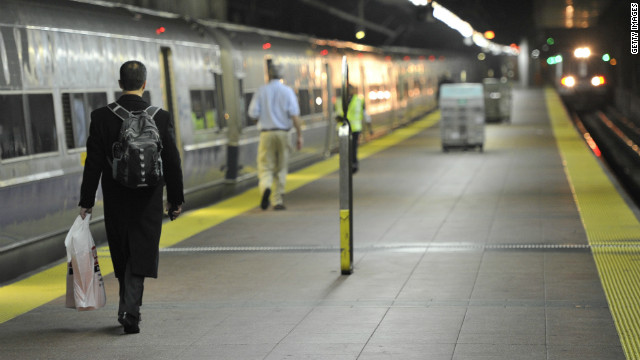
466 30
451 20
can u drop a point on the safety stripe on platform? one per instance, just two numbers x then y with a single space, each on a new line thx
607 220
427 247
47 285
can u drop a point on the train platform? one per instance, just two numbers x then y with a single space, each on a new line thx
526 250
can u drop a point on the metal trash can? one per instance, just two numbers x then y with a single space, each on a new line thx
497 100
462 116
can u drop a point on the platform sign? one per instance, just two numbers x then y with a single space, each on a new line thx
346 177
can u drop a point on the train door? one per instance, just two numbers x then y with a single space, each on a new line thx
227 113
268 64
394 99
363 86
168 91
331 109
219 100
243 103
231 95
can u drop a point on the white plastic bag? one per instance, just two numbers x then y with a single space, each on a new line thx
85 287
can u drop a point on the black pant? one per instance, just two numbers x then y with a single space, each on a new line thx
355 139
131 289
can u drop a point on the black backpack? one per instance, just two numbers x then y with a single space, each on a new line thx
136 154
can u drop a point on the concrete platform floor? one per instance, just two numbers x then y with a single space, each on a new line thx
457 256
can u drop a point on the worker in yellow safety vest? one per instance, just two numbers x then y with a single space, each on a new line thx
356 113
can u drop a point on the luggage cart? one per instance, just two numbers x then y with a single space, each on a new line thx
497 100
462 116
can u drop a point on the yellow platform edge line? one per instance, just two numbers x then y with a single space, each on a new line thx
25 295
607 220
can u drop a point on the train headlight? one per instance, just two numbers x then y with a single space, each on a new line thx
568 81
582 53
597 80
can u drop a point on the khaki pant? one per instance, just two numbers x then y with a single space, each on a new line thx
273 163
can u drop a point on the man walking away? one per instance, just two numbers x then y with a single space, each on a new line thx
276 107
132 215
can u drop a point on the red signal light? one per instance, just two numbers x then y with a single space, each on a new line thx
324 52
432 58
160 30
266 46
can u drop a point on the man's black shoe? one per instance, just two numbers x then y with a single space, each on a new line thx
130 323
279 207
264 204
121 318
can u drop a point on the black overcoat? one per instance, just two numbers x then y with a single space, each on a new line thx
133 217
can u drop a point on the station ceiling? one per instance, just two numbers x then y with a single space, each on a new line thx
400 23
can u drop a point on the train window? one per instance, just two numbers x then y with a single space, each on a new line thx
27 132
13 137
77 108
203 110
303 101
43 123
146 96
318 101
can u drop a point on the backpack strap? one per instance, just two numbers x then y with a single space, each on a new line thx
124 113
152 111
121 112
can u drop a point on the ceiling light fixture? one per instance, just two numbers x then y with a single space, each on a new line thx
465 29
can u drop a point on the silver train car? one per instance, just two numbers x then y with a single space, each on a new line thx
60 60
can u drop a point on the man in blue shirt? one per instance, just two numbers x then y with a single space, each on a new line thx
276 107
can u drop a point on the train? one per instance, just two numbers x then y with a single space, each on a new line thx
60 60
583 78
